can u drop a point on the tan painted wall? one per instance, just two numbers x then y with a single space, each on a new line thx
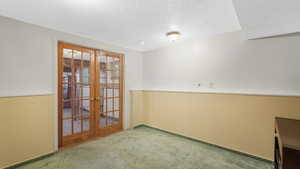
26 128
243 123
137 117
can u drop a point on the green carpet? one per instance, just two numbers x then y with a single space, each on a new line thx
147 148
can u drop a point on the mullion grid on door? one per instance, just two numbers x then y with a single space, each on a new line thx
111 86
77 98
102 90
77 93
67 65
105 88
85 110
81 90
72 92
117 60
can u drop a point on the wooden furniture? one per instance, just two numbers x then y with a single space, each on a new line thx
90 93
287 144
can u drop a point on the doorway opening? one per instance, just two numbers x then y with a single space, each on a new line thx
90 93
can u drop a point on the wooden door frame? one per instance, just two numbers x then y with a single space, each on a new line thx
60 46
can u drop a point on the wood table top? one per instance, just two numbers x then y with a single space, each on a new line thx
289 132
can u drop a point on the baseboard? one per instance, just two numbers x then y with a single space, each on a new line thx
19 164
142 125
228 149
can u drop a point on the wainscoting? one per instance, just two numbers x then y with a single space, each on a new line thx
243 123
26 128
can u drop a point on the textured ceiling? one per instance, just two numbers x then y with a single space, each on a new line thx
126 23
264 18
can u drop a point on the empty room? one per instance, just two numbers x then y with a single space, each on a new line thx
149 84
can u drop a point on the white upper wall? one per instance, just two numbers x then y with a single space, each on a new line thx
28 56
226 63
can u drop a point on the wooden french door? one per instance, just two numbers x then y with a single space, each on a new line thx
90 93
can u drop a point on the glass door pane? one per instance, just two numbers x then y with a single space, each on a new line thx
102 81
108 67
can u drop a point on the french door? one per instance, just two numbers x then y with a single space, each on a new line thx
90 93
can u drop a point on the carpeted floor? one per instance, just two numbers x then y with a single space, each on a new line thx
147 148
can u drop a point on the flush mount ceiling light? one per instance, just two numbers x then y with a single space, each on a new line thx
142 42
173 36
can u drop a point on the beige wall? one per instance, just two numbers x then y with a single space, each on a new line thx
243 123
137 117
26 128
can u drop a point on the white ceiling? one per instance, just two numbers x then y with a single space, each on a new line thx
263 18
126 23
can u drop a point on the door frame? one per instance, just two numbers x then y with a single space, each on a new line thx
93 133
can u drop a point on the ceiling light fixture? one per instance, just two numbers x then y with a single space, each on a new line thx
173 36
